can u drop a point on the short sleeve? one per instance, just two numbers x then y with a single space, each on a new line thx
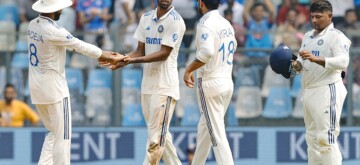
205 47
173 33
140 31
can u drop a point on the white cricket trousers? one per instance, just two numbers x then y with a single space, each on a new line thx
158 111
213 98
322 111
57 119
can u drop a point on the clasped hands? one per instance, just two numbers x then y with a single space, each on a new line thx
113 60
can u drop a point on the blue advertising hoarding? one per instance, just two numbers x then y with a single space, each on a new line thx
107 146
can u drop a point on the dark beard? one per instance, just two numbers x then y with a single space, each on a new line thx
165 7
57 16
8 101
199 11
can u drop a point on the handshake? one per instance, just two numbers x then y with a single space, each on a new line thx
114 60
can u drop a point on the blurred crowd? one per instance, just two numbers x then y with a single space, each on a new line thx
258 24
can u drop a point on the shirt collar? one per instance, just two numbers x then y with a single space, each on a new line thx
210 13
331 26
50 21
154 18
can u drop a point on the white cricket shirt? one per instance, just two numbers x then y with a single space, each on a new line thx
215 46
47 43
161 77
331 44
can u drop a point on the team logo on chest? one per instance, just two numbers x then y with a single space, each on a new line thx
160 28
320 42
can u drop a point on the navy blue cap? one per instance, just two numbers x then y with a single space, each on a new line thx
280 60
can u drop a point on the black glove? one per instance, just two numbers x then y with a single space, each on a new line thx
342 74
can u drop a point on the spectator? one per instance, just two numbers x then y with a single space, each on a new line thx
68 19
187 10
240 31
302 12
26 12
93 16
237 10
15 112
124 23
339 8
351 23
258 26
287 33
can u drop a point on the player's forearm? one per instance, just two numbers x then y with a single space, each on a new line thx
136 53
196 64
320 61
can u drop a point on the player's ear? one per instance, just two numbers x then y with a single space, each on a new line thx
330 15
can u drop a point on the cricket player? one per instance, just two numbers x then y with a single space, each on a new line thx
159 36
47 83
324 54
215 48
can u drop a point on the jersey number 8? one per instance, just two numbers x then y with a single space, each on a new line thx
34 61
230 52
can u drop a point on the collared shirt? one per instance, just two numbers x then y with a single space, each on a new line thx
16 113
161 77
215 45
47 44
331 44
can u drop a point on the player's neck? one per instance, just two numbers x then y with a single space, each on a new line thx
49 15
318 31
161 12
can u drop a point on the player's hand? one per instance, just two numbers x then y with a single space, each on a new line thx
307 56
117 65
129 60
189 79
109 57
118 58
296 66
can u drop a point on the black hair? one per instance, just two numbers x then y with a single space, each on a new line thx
211 4
320 6
8 85
349 11
257 4
228 11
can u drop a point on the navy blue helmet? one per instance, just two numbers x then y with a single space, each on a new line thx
280 61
